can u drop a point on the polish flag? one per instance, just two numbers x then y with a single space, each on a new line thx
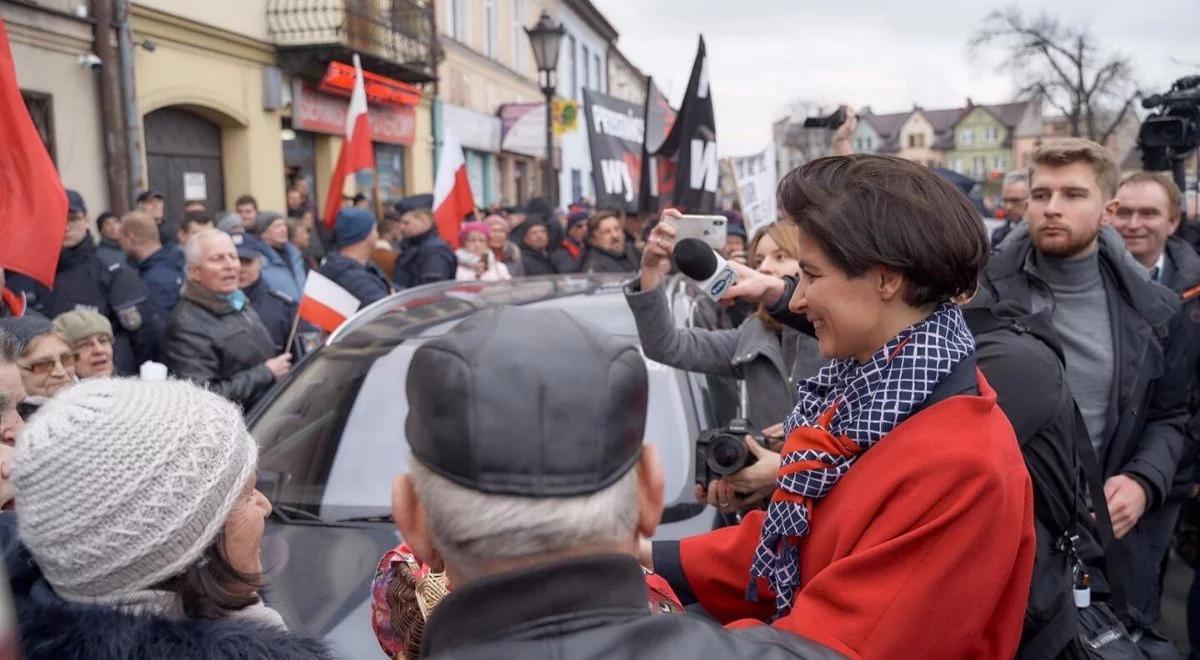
325 304
452 197
356 150
33 204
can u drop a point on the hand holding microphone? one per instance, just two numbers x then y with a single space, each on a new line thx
723 279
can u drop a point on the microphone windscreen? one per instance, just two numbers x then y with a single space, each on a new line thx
695 259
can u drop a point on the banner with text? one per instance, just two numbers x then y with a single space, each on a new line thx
692 145
616 130
756 180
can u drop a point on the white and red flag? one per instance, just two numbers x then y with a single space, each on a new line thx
452 197
356 150
325 304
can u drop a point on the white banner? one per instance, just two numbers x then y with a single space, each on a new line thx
756 179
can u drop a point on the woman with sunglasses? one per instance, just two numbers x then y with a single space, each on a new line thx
45 359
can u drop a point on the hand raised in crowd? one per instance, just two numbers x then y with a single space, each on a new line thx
1126 503
656 257
841 137
280 365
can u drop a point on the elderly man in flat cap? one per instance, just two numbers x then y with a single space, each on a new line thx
530 487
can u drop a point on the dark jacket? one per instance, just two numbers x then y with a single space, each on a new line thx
568 258
116 291
212 344
53 629
536 263
275 309
162 273
1144 437
603 261
771 364
1001 233
591 607
367 283
1182 275
110 252
424 259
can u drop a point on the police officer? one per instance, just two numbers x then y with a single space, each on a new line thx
424 256
83 281
275 309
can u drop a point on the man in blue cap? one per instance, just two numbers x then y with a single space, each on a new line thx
424 256
275 309
84 281
349 265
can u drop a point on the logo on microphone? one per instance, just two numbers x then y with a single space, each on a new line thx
723 282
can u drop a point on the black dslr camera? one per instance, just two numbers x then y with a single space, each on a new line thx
722 452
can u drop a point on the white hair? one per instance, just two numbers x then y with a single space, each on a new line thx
471 528
193 252
1016 176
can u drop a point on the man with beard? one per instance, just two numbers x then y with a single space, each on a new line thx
608 251
1123 340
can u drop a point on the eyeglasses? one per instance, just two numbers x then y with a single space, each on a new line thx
46 367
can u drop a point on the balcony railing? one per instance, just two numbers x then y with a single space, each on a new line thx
399 32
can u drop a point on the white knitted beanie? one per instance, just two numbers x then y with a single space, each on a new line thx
121 484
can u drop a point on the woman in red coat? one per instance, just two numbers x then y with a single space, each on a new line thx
902 520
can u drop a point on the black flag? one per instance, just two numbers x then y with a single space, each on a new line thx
692 144
616 133
658 173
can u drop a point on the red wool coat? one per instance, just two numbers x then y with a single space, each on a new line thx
923 550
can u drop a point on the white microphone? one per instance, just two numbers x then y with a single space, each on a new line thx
699 262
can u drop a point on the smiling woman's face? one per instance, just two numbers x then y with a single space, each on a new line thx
846 312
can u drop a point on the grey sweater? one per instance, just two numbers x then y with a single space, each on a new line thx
1082 320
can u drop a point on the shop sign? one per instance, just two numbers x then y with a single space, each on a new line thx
339 80
321 113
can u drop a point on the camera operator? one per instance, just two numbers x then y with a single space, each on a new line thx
769 357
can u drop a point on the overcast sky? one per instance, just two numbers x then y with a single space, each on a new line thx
888 54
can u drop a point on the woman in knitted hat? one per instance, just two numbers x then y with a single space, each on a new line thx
476 263
505 251
154 550
46 360
90 335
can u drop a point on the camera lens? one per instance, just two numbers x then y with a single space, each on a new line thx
727 454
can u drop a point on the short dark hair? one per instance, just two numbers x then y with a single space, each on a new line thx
105 217
599 217
211 588
246 199
868 210
10 350
196 218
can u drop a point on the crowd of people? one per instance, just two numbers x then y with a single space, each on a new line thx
973 444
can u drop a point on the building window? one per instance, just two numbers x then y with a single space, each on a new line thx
41 111
597 83
389 166
992 135
966 137
489 28
916 140
477 174
999 163
586 71
870 143
518 34
980 166
459 13
958 165
858 144
574 66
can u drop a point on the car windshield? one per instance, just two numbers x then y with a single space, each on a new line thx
332 439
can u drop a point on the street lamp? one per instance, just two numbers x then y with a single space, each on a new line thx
546 37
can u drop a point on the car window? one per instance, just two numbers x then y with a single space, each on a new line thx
333 440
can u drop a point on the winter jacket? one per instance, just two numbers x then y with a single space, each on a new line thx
536 263
116 291
214 345
585 608
424 259
602 261
495 272
275 309
924 549
1020 356
568 258
163 274
1182 275
1144 436
52 629
284 274
770 363
110 252
510 256
365 282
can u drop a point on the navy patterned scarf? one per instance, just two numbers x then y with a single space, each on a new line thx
853 406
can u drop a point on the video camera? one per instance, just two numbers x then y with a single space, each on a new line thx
1173 130
722 452
832 122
